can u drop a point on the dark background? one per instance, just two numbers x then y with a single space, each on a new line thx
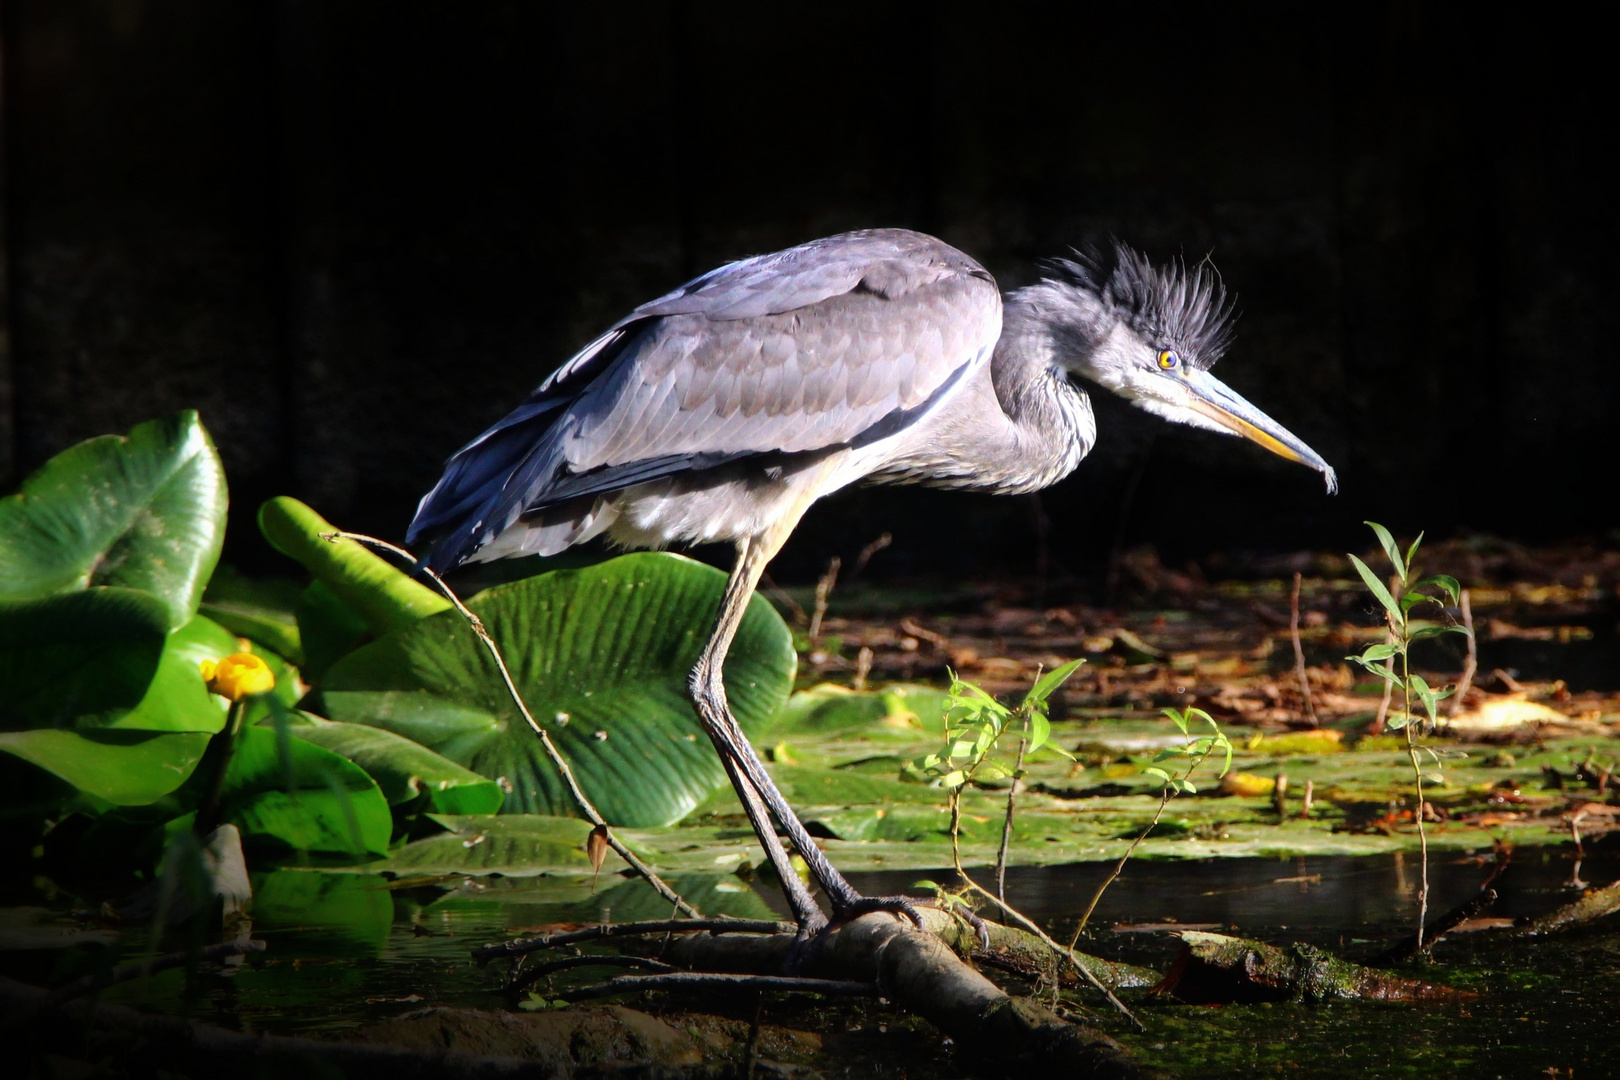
354 233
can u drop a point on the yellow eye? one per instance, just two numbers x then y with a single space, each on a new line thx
1168 359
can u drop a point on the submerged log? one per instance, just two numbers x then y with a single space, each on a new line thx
1214 969
1594 905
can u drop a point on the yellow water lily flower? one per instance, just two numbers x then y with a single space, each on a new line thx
238 676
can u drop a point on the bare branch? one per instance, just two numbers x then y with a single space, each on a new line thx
719 925
1299 654
693 980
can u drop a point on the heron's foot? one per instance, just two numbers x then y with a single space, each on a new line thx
855 906
811 935
980 927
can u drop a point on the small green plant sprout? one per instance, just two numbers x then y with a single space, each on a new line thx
1390 660
952 901
975 723
1404 630
1194 751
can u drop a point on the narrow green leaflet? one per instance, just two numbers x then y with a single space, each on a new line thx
1391 550
144 510
1040 729
1378 588
406 770
1053 679
601 656
126 768
1446 584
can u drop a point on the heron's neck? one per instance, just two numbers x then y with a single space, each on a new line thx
1050 419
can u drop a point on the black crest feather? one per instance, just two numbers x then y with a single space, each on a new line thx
1170 307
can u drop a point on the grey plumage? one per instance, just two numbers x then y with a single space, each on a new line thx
722 410
839 343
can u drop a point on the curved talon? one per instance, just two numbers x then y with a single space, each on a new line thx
980 927
865 905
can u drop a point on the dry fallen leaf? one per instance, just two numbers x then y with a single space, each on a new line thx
596 849
1504 711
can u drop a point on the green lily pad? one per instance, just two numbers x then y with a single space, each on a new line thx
143 511
261 610
830 709
404 770
299 796
328 629
514 845
601 656
126 768
87 652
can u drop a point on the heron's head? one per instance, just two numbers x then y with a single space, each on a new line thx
1150 334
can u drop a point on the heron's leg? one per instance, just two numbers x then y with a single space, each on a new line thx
805 911
709 695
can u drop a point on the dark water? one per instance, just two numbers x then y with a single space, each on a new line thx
346 950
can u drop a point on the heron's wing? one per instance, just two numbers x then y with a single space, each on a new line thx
834 343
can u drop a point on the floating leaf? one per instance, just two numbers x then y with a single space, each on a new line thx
328 629
144 510
601 656
516 845
405 770
261 610
302 797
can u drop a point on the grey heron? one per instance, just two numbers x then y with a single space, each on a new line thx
722 410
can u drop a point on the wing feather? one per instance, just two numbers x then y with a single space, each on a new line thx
812 348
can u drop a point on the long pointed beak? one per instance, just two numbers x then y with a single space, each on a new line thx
1220 403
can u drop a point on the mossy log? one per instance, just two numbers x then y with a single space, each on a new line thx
1596 904
1214 969
919 972
1019 951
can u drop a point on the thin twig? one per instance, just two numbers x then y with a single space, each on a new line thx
589 960
867 552
1119 868
750 1060
140 968
1007 822
824 588
585 805
1471 664
718 925
697 980
1008 909
1299 654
